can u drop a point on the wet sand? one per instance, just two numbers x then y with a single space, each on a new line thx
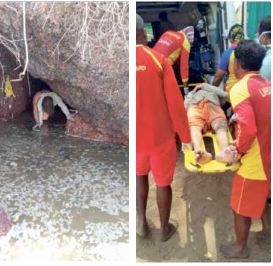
201 207
67 198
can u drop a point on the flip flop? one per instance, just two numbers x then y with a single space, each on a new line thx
230 252
173 228
263 237
143 231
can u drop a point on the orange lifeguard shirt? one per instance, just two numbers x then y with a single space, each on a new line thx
160 108
174 45
251 103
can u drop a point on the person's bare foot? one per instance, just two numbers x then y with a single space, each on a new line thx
36 128
228 155
234 251
143 230
169 231
203 157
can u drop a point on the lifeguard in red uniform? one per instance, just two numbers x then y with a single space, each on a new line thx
251 102
174 45
159 114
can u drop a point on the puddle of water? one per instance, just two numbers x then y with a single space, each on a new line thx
65 191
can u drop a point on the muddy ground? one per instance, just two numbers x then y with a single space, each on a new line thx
67 198
201 207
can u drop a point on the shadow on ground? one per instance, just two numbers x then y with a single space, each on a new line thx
201 206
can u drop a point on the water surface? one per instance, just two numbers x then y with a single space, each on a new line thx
67 197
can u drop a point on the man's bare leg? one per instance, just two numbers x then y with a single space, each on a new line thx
202 156
222 138
142 190
164 202
220 128
238 249
35 107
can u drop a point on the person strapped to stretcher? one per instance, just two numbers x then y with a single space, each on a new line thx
204 114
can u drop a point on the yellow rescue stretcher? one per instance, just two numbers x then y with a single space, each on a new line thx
212 166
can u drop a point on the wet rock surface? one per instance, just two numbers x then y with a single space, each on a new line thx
11 107
81 51
67 198
79 128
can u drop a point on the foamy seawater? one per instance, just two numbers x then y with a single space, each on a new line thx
67 198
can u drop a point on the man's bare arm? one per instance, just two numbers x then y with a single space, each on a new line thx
218 77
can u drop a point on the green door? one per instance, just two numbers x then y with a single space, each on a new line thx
256 11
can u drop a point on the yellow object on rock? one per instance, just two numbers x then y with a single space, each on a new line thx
8 88
212 166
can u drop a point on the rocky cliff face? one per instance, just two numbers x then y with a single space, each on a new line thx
81 51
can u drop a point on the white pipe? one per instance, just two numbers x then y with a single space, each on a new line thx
22 74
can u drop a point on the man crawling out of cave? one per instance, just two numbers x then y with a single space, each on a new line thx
44 103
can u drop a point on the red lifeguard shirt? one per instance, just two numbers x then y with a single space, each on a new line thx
160 109
251 102
174 45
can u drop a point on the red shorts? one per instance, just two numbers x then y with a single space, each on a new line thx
248 197
161 161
